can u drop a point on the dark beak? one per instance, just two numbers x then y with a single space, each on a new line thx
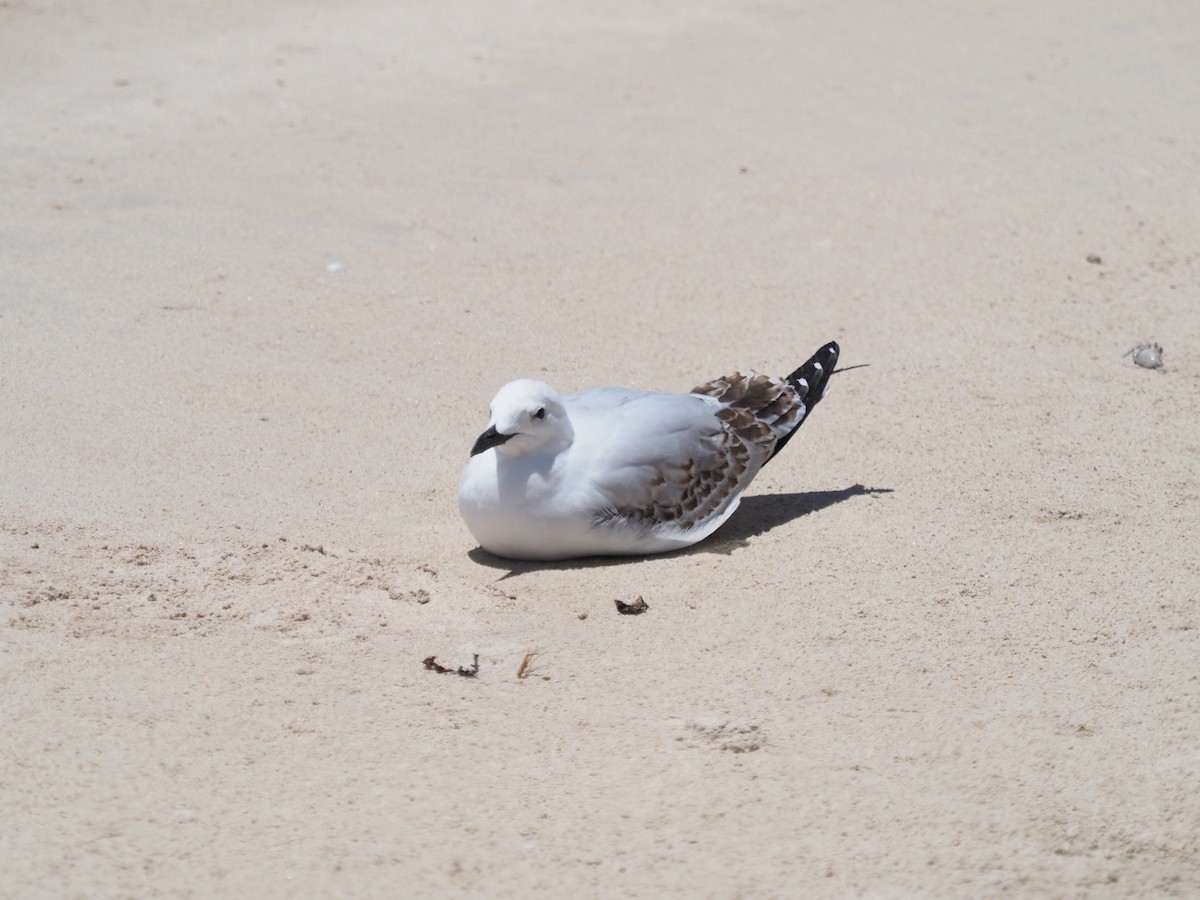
489 439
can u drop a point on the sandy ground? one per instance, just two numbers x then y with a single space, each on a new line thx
950 645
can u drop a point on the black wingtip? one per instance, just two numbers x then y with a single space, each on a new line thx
812 378
811 381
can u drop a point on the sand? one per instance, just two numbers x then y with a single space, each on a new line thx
264 267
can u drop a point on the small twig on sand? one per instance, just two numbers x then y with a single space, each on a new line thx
470 671
526 667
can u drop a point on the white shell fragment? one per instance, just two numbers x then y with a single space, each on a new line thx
334 267
1148 356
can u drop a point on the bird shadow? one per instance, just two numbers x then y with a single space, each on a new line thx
755 516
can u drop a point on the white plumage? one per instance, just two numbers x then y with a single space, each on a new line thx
612 471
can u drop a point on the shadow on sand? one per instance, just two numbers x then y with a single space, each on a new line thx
755 516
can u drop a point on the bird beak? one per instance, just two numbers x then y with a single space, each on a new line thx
489 439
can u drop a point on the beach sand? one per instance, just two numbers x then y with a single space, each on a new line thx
263 270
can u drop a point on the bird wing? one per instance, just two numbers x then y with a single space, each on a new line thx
674 462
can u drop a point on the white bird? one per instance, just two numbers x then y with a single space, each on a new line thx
611 471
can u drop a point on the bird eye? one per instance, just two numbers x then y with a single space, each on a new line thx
541 413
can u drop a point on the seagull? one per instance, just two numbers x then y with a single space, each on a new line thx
611 472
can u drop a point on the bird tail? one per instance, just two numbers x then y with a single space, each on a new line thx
810 382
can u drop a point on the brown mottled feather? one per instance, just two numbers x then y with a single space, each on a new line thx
758 416
690 492
772 402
